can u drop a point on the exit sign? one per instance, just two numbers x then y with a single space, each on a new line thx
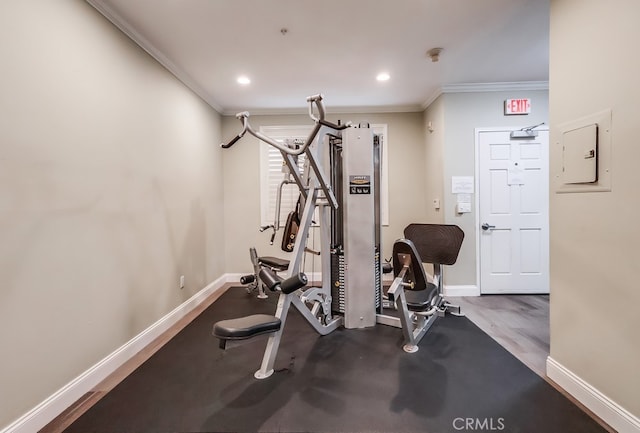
517 106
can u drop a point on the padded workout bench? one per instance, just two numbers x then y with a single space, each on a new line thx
419 301
244 328
253 281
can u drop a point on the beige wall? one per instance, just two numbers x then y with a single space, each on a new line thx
407 200
463 113
110 188
434 124
595 236
429 159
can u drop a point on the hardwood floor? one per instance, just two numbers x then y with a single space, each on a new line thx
520 323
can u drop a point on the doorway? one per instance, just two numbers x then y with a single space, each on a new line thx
513 211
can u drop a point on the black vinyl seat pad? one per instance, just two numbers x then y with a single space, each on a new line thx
246 327
420 300
274 262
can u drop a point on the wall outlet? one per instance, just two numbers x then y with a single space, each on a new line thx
182 281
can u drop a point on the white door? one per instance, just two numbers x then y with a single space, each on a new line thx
513 212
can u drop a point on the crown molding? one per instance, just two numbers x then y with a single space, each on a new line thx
126 28
447 88
331 110
485 87
431 99
495 87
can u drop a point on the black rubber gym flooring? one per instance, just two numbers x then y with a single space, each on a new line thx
347 381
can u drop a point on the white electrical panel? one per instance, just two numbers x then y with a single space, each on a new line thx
580 155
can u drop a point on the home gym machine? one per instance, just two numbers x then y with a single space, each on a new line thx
348 204
420 301
350 258
276 264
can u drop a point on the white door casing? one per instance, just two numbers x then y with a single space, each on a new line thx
513 207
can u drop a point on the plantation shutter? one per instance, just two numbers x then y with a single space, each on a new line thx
272 173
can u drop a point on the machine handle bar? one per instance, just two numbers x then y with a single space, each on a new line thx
320 121
232 142
273 235
317 99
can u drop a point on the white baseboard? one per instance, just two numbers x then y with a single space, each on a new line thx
601 405
234 278
49 409
386 278
313 276
461 291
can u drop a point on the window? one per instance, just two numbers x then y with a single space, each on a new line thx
271 173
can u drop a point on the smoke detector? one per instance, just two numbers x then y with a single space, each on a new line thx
434 54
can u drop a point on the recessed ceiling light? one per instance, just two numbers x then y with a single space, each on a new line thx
383 76
244 80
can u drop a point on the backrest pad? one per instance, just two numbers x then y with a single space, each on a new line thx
404 253
436 243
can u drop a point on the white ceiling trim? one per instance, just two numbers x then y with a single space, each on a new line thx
435 95
143 43
448 88
330 110
186 79
122 24
495 87
486 87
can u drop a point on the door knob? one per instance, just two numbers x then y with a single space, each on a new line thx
486 227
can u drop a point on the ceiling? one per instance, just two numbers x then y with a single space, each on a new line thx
338 47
